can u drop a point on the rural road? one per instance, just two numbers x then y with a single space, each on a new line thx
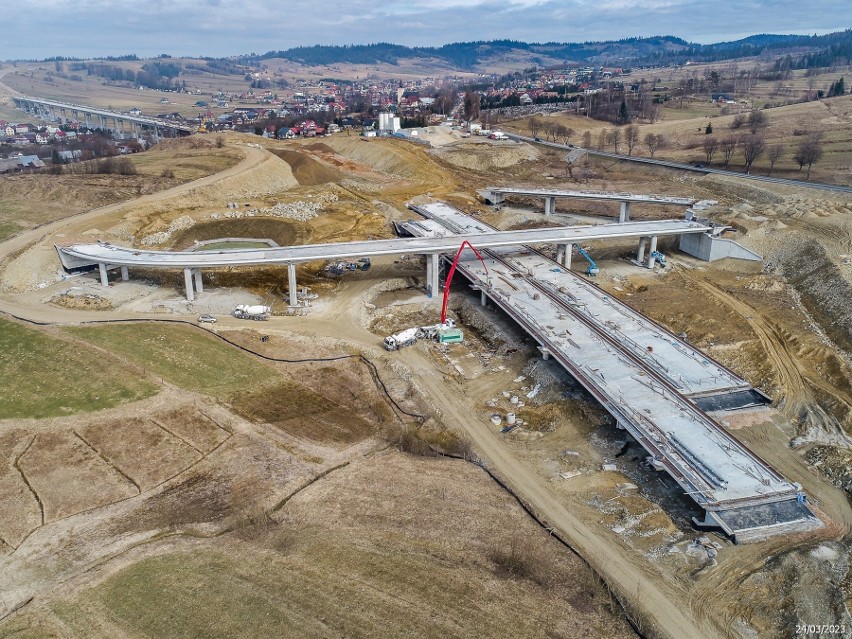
687 167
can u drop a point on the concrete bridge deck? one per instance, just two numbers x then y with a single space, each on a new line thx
497 194
688 369
596 342
110 256
42 106
125 256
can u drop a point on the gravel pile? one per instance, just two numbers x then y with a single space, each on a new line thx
301 210
161 237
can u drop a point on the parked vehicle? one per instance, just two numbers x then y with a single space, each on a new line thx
206 319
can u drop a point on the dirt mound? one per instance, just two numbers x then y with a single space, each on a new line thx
479 156
824 290
393 157
318 147
85 301
307 170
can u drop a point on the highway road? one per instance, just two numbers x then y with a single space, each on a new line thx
688 167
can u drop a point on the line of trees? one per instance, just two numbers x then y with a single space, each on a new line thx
556 132
753 145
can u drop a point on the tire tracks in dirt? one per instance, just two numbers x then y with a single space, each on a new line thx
656 603
797 400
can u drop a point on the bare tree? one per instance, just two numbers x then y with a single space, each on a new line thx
631 137
728 145
603 136
565 132
615 138
774 154
753 146
809 151
757 120
534 124
587 139
471 105
710 145
547 128
654 143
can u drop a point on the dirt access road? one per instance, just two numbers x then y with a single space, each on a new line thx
661 605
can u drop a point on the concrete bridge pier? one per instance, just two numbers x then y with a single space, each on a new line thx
124 274
291 284
640 255
651 260
187 281
563 254
549 205
432 272
199 284
103 272
624 213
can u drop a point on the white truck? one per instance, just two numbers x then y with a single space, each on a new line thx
403 338
256 312
410 335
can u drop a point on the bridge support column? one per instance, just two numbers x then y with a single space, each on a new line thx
432 281
549 205
563 254
483 298
653 248
124 274
199 284
187 281
103 271
545 353
624 214
291 284
640 255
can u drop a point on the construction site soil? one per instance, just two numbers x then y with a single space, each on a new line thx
254 480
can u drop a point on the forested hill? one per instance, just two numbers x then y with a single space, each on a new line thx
834 48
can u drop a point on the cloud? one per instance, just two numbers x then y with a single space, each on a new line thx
92 28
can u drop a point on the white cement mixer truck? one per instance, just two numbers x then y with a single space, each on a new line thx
256 312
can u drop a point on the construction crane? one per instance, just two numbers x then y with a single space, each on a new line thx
593 268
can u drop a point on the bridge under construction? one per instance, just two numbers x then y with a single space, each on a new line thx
110 256
655 385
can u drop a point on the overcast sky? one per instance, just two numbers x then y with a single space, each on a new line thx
94 28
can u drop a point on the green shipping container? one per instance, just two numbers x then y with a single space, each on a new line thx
450 336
